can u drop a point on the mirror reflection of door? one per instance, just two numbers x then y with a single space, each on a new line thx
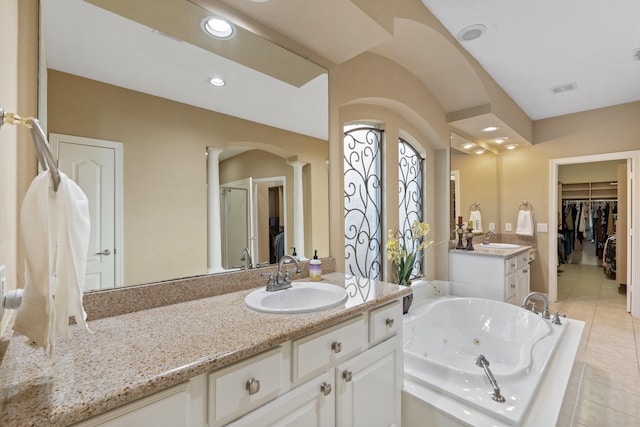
234 203
93 165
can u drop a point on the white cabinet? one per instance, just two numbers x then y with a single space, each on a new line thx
312 404
180 406
502 278
246 385
356 370
368 387
346 375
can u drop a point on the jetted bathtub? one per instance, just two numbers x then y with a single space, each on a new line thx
444 337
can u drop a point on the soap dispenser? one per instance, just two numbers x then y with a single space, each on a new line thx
294 253
315 268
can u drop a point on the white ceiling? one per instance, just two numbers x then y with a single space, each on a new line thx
530 47
87 41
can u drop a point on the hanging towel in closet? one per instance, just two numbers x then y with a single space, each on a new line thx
525 223
476 217
55 233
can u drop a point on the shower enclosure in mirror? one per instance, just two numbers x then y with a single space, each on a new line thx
253 216
143 82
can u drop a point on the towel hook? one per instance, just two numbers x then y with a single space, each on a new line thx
45 157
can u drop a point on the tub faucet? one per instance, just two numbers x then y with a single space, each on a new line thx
537 295
246 256
483 363
485 241
282 280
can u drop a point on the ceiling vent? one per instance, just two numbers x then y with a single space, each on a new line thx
564 88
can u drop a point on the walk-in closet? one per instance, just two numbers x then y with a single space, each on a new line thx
592 211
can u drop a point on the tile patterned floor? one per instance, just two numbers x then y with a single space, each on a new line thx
604 389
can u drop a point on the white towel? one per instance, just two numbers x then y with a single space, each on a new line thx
525 223
55 233
476 217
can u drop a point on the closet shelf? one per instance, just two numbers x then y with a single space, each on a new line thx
590 190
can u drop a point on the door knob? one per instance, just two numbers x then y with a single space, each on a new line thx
105 252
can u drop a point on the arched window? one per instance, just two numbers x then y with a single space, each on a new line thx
410 177
362 201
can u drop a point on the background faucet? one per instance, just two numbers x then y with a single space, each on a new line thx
485 241
246 256
537 295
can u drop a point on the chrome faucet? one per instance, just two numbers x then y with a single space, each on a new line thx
537 295
485 241
246 256
282 280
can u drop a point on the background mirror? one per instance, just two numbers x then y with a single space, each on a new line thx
108 78
475 169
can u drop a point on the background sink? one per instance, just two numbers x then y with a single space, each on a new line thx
499 246
302 297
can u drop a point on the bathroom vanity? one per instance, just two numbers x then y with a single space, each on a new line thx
501 274
214 362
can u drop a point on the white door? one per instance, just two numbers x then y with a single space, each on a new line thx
93 165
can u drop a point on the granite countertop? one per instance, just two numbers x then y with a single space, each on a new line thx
133 355
494 252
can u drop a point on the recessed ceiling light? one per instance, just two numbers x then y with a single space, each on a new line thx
468 145
471 32
490 129
217 27
500 140
216 81
510 146
479 151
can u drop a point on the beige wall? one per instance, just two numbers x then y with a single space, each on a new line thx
590 172
18 87
524 172
165 203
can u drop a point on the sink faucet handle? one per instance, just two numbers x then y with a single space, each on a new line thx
271 281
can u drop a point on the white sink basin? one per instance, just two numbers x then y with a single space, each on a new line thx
499 246
302 297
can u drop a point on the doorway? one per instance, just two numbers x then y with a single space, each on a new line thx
632 213
96 166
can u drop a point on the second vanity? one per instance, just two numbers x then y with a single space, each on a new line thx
215 362
501 274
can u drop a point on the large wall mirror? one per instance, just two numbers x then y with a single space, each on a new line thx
474 180
134 80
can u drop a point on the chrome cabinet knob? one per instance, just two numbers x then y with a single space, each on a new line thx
389 322
347 375
253 386
325 388
336 346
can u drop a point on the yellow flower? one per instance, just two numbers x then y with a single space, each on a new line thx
397 249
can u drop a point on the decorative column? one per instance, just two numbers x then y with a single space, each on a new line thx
214 234
298 208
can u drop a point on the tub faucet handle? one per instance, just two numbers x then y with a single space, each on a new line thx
556 318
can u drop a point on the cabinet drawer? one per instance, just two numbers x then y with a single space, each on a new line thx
240 388
312 353
385 322
523 260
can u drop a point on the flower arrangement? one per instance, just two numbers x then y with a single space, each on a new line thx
403 257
